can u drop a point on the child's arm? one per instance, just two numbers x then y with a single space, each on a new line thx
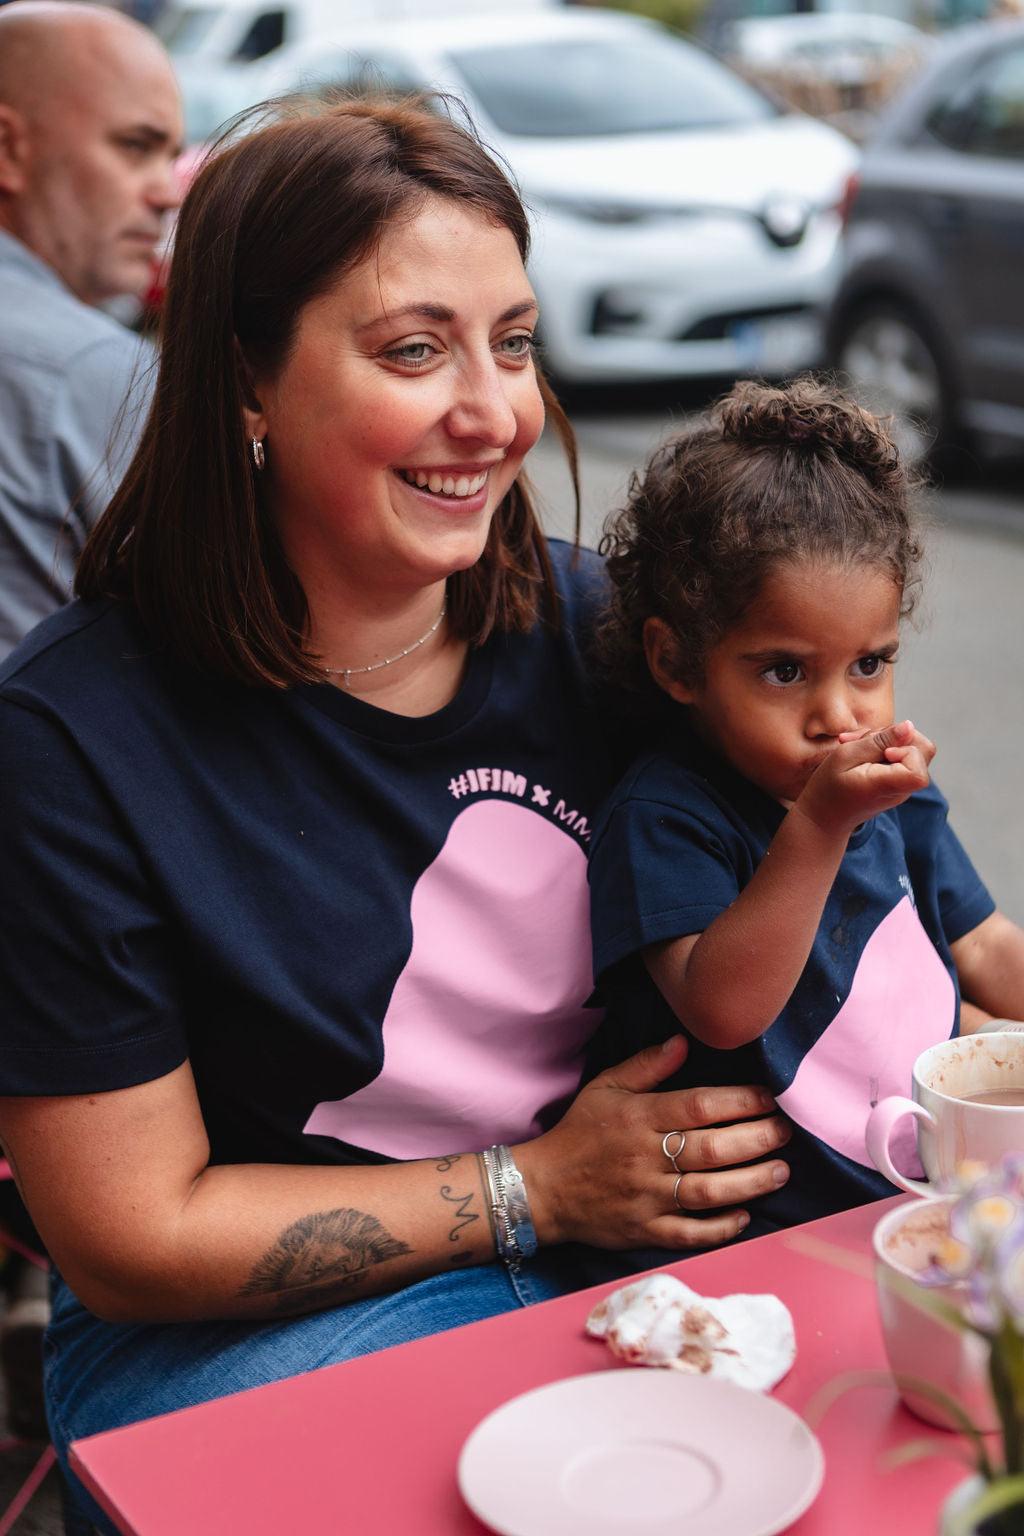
972 1018
729 983
990 966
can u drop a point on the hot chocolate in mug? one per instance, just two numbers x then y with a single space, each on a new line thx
932 1362
969 1105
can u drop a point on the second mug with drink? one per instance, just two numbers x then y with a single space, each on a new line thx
968 1101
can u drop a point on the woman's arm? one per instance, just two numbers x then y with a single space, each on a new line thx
990 967
730 982
143 1228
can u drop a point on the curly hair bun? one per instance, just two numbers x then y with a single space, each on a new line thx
809 414
771 473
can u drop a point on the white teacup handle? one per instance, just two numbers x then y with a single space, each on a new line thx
880 1125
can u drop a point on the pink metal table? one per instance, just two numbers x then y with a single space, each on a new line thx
372 1445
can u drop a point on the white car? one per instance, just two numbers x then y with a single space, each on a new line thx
683 225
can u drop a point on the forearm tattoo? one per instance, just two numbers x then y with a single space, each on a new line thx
465 1200
321 1257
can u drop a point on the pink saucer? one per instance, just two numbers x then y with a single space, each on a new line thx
638 1452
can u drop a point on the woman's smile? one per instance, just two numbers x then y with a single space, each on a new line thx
455 483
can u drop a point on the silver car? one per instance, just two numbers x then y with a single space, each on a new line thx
928 321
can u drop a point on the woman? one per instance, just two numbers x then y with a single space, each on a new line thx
294 917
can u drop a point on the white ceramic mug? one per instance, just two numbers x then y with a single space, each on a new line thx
920 1348
969 1105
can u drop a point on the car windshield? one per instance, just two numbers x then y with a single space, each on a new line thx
984 114
600 86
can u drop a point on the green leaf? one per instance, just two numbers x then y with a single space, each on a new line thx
832 1390
917 1450
1005 1493
837 1387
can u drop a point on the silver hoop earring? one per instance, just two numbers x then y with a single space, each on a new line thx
258 456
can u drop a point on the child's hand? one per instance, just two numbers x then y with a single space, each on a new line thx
895 738
867 773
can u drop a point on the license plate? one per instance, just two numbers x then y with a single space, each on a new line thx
778 344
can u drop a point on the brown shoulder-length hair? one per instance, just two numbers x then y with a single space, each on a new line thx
272 219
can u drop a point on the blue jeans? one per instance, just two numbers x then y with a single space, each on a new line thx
102 1375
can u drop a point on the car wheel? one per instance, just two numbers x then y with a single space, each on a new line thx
892 368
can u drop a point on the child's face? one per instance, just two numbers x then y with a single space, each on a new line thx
811 657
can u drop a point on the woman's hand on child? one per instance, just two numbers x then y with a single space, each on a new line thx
868 772
602 1175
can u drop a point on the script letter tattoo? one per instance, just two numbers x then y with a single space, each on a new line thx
463 1216
462 1204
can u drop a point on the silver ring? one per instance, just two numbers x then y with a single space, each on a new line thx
673 1155
675 1189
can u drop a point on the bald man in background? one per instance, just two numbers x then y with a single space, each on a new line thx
90 127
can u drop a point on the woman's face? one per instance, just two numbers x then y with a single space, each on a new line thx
404 409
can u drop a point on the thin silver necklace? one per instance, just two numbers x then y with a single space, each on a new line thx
346 672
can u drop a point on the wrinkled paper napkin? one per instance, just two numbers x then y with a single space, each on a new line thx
659 1321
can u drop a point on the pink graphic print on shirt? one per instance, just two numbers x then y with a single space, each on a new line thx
901 1001
486 1023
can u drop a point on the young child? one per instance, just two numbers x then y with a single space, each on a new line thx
778 876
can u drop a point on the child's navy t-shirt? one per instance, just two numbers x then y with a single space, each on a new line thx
679 839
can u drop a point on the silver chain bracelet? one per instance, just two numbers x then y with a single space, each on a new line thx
513 1229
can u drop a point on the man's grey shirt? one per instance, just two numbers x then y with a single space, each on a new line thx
66 433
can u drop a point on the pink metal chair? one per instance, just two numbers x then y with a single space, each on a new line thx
32 1482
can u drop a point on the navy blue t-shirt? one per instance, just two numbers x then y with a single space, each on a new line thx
368 933
680 838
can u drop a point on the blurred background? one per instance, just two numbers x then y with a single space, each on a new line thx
718 188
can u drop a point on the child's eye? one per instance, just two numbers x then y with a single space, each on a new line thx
871 666
781 673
